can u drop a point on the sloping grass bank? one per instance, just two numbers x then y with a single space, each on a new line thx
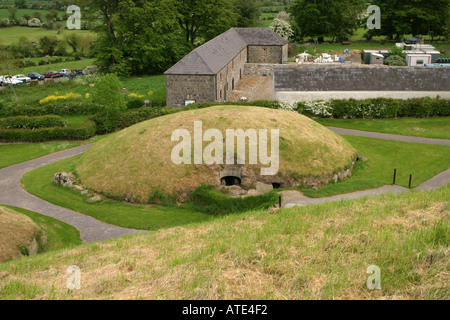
314 252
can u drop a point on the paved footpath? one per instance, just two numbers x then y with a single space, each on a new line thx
12 193
292 198
386 136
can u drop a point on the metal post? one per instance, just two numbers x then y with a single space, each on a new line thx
395 176
279 201
410 180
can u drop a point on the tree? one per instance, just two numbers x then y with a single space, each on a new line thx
12 13
48 45
20 4
283 28
138 37
417 17
73 41
320 18
249 12
205 19
108 93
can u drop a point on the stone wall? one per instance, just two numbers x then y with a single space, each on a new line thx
361 78
228 78
265 54
192 87
261 69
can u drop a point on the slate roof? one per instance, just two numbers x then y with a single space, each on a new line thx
214 55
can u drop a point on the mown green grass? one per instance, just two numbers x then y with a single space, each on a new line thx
438 128
151 87
313 252
20 152
423 161
10 35
39 182
59 234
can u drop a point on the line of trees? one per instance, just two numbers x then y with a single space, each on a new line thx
148 36
339 19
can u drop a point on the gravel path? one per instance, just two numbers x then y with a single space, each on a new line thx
11 193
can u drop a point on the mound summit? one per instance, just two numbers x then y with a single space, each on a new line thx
148 158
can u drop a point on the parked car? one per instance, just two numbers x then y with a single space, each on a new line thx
22 78
74 73
52 74
65 72
36 76
8 80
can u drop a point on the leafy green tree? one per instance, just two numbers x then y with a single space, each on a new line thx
205 19
48 45
108 93
249 12
417 17
12 13
320 18
20 4
138 37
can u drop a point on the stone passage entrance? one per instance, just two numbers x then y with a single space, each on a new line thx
230 177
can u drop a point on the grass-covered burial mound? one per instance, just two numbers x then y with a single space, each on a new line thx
175 154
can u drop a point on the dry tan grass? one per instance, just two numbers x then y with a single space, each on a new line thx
16 230
137 160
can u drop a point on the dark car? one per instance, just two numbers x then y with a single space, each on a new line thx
52 74
36 76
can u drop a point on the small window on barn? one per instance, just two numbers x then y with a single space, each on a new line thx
419 61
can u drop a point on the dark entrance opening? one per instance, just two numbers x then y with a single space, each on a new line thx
230 181
232 84
276 185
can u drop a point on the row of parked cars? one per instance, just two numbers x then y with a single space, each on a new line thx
21 78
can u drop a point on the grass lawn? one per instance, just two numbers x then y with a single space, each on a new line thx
438 128
313 252
421 160
143 85
39 182
59 234
11 35
20 152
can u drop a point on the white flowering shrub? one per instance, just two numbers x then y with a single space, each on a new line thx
35 22
283 28
5 22
321 109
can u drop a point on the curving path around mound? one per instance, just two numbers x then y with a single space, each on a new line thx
91 230
292 198
12 193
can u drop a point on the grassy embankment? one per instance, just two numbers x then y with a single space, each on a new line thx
314 252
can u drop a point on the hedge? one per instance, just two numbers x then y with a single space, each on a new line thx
61 108
25 122
377 108
83 132
107 122
207 199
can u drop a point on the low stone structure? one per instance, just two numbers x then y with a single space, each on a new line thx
212 71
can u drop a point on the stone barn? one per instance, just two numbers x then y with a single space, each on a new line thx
212 71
